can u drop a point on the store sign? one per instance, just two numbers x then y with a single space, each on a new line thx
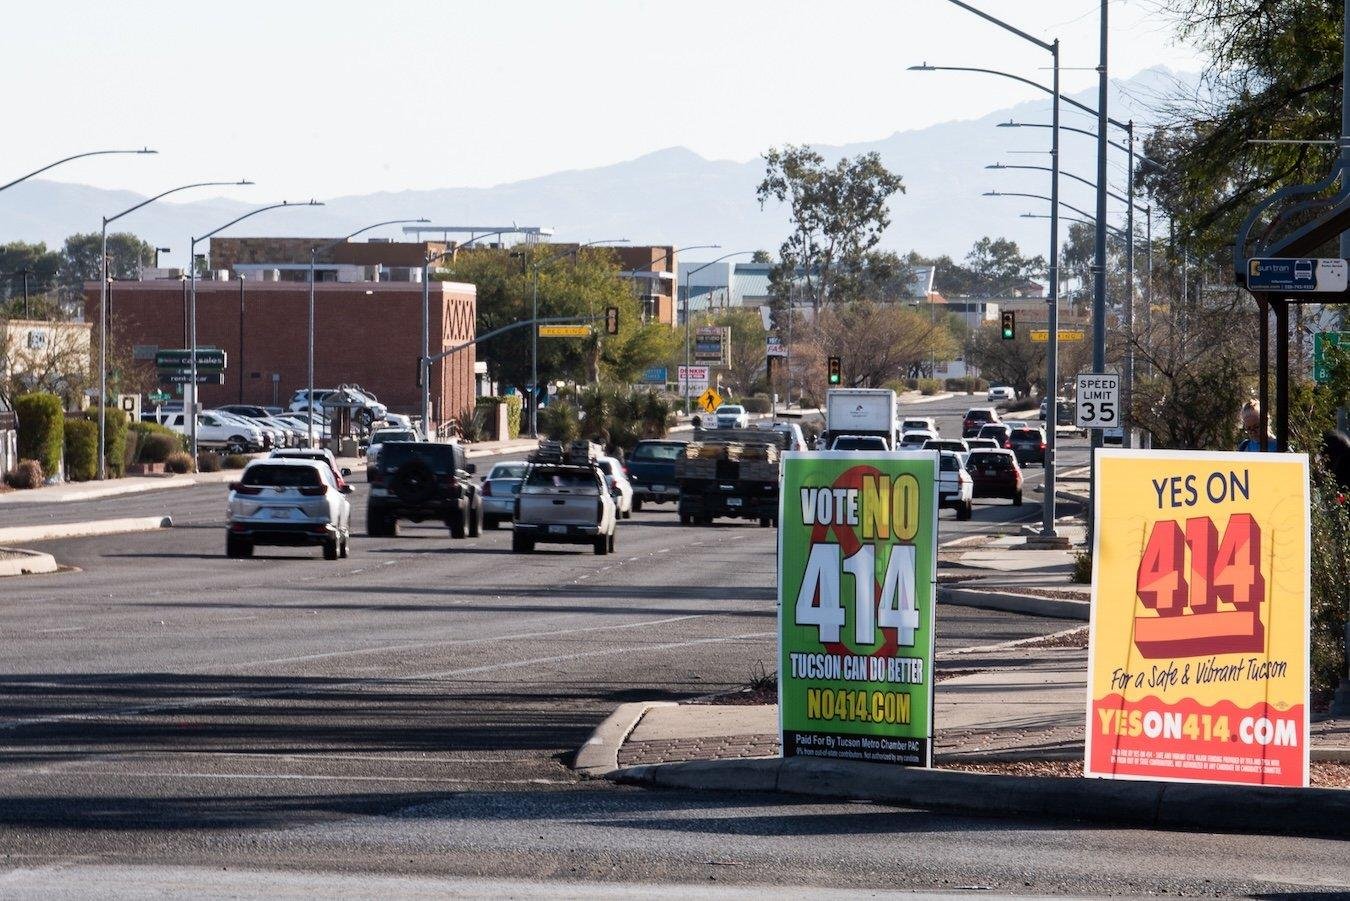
1198 656
773 347
710 344
655 375
693 379
857 541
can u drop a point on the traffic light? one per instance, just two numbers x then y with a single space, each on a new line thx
836 371
1009 325
611 320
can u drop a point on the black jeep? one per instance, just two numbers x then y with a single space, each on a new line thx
419 480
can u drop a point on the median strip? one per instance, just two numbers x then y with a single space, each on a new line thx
15 535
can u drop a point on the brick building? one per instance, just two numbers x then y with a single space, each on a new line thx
366 333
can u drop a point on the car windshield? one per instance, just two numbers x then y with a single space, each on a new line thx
507 471
384 435
547 477
1027 434
272 476
915 438
914 424
440 457
991 461
657 451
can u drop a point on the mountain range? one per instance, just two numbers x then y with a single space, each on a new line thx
674 196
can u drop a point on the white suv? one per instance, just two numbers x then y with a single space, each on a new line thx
216 431
289 502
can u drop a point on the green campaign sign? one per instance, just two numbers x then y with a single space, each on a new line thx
857 569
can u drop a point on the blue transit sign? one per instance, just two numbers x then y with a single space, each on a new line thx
655 375
1296 275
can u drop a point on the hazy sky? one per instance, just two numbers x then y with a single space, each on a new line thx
338 97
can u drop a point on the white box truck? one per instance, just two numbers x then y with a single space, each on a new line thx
861 412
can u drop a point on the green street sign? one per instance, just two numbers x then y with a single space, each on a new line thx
208 359
158 397
857 572
1321 341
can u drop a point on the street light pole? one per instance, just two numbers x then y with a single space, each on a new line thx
103 310
1099 284
309 366
190 413
1052 353
1127 375
78 156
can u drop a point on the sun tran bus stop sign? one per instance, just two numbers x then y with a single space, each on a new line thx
1324 276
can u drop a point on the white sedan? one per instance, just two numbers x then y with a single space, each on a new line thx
732 416
619 487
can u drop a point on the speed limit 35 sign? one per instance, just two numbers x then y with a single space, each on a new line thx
1098 401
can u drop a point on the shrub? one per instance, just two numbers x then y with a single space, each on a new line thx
42 424
560 421
114 439
81 440
757 403
1082 567
28 474
156 446
513 403
209 462
179 462
929 387
236 461
1030 402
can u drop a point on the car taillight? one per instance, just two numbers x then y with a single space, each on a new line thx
1007 442
245 489
374 476
487 489
313 490
1042 445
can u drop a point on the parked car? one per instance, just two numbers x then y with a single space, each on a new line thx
249 410
618 484
996 474
216 431
564 501
500 487
1028 445
651 471
998 431
956 489
380 436
859 443
918 424
975 418
271 436
300 401
1001 394
732 416
420 481
293 503
916 439
293 434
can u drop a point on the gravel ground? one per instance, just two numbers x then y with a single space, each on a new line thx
1041 591
1324 775
1078 638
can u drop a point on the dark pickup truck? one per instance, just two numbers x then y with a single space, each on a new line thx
651 471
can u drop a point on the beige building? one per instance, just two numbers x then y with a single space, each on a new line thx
44 356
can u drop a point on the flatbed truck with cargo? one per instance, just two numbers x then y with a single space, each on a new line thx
730 474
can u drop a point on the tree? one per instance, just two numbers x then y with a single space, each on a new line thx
838 213
1000 266
80 259
1019 363
745 371
878 343
40 266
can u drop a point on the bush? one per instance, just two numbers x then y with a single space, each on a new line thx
179 462
114 439
1082 568
1030 402
758 403
969 385
209 462
929 387
42 424
236 461
150 442
81 440
28 474
560 421
514 403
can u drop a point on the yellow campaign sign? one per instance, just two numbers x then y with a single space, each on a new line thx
1042 335
1198 651
710 400
564 331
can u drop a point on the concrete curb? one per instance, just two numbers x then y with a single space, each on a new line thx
29 563
599 756
1309 811
1011 602
54 531
510 447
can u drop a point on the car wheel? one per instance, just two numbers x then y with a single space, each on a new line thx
520 544
236 445
458 523
686 519
1017 499
964 510
490 521
637 505
628 514
345 549
330 549
601 545
237 547
764 522
476 520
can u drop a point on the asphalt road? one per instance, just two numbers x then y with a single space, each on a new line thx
411 711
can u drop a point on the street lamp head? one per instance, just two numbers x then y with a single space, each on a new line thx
1010 124
996 166
923 67
992 194
147 150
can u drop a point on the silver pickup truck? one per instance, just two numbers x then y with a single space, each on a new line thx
563 501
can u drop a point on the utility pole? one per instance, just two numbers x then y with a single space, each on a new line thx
1099 263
